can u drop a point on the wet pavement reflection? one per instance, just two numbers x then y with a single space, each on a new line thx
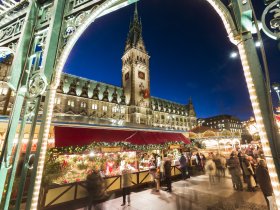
192 194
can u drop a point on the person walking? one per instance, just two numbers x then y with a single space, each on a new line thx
95 186
248 171
218 164
157 179
240 156
224 165
126 183
235 172
264 180
152 170
167 172
161 169
183 166
198 162
210 168
203 162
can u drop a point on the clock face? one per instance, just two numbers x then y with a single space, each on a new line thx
141 75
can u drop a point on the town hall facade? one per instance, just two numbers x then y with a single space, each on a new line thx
80 100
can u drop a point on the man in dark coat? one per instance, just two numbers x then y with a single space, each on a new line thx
96 189
235 171
183 166
264 180
167 171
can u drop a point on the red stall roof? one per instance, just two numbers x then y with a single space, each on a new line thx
79 136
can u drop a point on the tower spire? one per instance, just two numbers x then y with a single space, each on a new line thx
134 37
135 13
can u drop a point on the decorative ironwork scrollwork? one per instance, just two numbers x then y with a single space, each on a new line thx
11 30
37 85
271 15
73 22
30 111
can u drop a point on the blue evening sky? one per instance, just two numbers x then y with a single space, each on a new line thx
189 52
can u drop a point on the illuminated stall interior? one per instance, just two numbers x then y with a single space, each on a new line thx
78 151
214 140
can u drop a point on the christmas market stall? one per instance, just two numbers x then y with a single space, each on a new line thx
79 151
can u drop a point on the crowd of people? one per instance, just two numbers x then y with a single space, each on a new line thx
247 168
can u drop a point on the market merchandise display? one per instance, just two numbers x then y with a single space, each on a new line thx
75 168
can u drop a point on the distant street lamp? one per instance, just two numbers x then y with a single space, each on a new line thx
233 54
276 87
258 44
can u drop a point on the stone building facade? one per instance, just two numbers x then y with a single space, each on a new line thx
223 122
87 101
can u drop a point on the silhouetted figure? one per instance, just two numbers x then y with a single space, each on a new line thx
96 190
264 180
126 183
183 166
167 172
235 172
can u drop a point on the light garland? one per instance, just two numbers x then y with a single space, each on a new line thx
234 38
260 123
126 145
226 18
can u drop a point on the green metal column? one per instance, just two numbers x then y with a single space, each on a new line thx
263 96
9 140
49 56
18 82
243 13
27 158
27 114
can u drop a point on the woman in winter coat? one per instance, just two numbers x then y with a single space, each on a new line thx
264 180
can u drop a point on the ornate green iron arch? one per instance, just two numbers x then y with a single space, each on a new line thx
71 18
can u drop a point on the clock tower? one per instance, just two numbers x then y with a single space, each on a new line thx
135 72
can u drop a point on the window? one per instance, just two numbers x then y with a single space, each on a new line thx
83 104
141 75
122 110
94 106
105 108
114 109
126 77
71 103
57 100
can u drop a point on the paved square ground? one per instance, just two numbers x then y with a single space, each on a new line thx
192 194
